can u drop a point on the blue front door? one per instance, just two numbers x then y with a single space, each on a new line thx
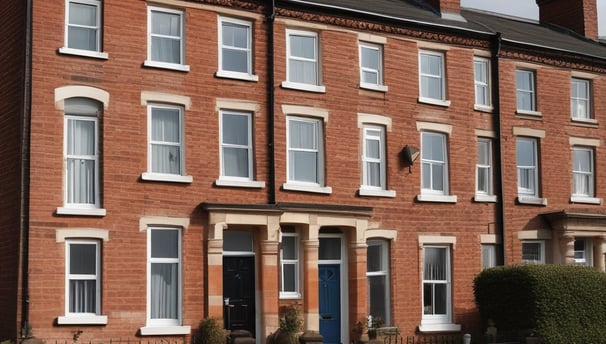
330 302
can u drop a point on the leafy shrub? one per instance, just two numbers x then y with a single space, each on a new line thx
291 324
559 303
210 331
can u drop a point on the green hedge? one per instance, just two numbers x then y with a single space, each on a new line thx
560 303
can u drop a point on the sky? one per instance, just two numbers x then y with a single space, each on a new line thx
528 9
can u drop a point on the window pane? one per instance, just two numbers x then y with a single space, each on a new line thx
484 152
373 147
373 171
164 291
82 296
377 286
83 259
440 299
303 72
289 248
165 243
235 129
303 46
370 77
435 263
166 159
81 137
330 248
235 162
302 134
235 60
531 252
483 179
82 14
82 38
582 160
289 277
374 261
432 147
525 153
237 241
303 166
165 125
166 24
370 58
80 181
235 35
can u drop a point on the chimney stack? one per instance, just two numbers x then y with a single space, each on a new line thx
446 6
579 16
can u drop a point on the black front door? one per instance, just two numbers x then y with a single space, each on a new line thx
239 293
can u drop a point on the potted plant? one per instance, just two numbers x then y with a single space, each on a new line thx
210 331
373 324
290 325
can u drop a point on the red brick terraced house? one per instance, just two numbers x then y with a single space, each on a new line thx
170 160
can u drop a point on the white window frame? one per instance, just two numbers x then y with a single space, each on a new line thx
150 62
296 263
379 85
76 114
424 77
366 159
169 323
532 192
484 193
431 163
585 256
531 92
489 256
97 52
482 83
248 146
96 277
298 185
224 73
590 175
168 177
385 272
541 252
289 83
434 319
586 115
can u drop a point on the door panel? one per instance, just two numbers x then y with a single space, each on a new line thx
239 293
330 302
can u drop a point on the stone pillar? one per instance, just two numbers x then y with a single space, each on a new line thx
269 277
311 300
214 278
567 249
357 283
598 257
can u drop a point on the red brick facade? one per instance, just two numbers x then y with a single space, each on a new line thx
206 210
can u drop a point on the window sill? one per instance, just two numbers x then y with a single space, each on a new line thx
165 330
529 113
587 121
439 328
364 191
373 87
81 211
165 65
240 183
485 198
483 108
236 75
307 188
432 101
290 296
85 53
532 200
586 200
304 87
437 198
82 320
173 178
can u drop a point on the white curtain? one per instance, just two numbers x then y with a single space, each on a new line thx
82 32
82 295
235 145
166 146
166 37
81 159
164 293
303 153
235 47
373 156
303 60
435 275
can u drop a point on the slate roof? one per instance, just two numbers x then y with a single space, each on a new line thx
419 13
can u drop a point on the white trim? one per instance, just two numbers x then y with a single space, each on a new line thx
367 37
586 200
161 177
425 100
240 183
389 234
289 83
303 87
164 65
81 211
236 75
487 84
292 186
82 320
373 87
367 191
532 200
490 239
536 234
165 330
484 198
427 328
98 4
236 104
81 52
437 198
443 101
181 66
437 239
247 147
248 75
587 121
160 221
483 108
380 84
65 92
485 133
528 113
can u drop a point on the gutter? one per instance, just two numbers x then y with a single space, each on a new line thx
271 197
24 168
498 125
